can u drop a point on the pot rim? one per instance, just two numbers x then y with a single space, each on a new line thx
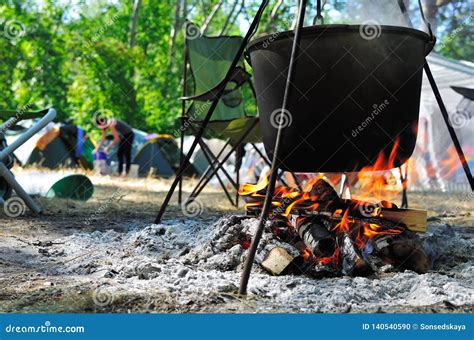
335 29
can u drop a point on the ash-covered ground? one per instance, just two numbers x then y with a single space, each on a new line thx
117 261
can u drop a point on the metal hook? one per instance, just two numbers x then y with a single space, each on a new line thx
318 16
428 25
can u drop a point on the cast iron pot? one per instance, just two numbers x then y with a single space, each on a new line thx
356 90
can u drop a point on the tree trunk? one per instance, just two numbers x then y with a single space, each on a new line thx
273 15
227 20
211 16
133 24
176 24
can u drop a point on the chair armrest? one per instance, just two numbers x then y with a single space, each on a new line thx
47 118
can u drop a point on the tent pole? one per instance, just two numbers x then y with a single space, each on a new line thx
207 118
275 162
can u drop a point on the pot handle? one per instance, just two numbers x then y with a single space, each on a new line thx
431 43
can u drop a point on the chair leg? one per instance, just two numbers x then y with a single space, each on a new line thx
273 177
212 159
222 184
10 179
181 157
232 150
207 173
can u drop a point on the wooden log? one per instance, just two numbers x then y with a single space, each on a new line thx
414 220
277 261
316 237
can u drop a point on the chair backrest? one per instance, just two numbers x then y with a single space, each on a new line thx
210 59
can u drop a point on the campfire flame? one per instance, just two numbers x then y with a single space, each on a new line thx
374 188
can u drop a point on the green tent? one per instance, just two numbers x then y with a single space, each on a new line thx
161 154
60 152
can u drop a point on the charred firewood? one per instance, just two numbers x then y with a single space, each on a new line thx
352 262
324 192
316 237
403 251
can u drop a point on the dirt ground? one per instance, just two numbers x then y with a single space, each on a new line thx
30 275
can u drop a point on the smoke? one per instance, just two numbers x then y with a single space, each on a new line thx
385 12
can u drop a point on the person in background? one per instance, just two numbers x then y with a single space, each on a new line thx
123 134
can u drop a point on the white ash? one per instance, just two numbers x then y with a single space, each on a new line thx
195 261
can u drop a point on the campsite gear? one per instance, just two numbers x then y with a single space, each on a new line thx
59 152
100 163
47 138
218 93
288 102
209 59
5 189
57 185
80 142
324 113
465 92
11 119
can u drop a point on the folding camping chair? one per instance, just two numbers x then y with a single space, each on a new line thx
7 179
208 60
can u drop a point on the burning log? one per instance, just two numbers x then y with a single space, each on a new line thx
353 263
323 201
335 235
402 251
316 236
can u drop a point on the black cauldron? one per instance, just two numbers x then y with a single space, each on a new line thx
355 92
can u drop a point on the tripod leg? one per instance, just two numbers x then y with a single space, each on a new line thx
451 130
271 185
